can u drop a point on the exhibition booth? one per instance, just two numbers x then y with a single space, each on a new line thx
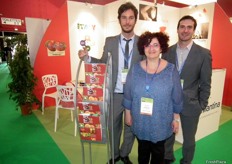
78 25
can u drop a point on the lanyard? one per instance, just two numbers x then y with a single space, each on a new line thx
148 84
126 59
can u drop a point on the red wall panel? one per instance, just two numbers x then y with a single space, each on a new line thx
19 9
221 47
60 65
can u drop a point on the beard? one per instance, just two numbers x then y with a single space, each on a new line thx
127 29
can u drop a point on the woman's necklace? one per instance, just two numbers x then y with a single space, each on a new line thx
148 85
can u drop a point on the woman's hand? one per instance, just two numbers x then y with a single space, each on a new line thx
175 125
127 117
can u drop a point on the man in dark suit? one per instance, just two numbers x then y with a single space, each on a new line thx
194 64
122 60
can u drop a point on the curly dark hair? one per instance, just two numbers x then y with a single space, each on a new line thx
126 6
146 38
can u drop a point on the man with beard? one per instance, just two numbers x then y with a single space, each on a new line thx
124 52
194 64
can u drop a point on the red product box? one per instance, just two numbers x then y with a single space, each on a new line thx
90 127
89 108
95 68
92 91
94 79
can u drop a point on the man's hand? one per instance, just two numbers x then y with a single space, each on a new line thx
83 53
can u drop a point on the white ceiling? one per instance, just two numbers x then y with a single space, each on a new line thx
194 2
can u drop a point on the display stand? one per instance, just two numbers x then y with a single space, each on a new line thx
93 111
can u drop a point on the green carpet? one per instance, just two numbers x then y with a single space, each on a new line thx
23 139
215 148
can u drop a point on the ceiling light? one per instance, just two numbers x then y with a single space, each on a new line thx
163 4
90 4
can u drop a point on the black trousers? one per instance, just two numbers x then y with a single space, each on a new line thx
149 152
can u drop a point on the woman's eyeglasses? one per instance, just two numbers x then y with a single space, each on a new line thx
155 45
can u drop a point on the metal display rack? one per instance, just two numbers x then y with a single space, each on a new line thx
105 105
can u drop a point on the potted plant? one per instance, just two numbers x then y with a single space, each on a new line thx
23 79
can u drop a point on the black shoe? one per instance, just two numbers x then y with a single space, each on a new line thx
168 161
115 160
182 161
126 160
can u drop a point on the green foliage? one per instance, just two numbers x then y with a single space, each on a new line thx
23 79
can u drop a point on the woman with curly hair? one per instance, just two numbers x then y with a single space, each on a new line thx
152 98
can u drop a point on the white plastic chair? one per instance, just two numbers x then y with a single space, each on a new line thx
66 97
50 81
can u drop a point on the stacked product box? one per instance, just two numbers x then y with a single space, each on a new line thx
90 121
94 80
90 117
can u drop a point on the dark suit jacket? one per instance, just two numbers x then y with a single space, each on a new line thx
111 45
196 74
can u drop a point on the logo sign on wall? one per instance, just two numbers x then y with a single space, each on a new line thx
11 21
86 40
55 48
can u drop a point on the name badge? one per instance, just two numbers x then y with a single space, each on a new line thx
182 83
123 75
146 106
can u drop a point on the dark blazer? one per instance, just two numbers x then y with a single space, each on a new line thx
196 74
111 45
